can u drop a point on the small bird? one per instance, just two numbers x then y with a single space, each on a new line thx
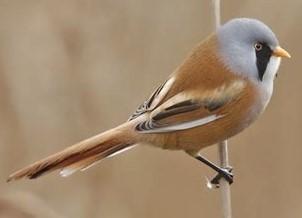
222 87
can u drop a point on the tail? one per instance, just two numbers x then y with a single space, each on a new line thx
81 155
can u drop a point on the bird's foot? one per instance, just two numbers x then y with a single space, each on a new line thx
225 173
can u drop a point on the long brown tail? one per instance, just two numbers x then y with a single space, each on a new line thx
80 155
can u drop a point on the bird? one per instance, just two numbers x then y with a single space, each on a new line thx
220 88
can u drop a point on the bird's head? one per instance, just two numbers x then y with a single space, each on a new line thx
250 48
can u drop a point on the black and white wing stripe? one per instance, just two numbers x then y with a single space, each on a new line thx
154 99
188 110
155 124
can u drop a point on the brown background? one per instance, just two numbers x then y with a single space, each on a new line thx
70 69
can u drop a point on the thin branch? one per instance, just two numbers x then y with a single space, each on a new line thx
223 146
223 184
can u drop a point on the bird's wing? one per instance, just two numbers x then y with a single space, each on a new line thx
154 100
191 109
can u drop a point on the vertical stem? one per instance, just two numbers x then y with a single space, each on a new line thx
223 184
217 17
223 146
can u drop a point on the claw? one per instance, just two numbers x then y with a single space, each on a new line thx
210 185
223 173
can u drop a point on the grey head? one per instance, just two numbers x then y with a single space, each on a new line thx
248 47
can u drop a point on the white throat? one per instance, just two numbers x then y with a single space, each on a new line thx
270 73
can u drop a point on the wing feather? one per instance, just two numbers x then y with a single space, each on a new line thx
153 101
189 110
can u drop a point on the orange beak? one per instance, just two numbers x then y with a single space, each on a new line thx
280 52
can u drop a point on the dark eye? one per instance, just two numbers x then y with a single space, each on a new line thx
258 46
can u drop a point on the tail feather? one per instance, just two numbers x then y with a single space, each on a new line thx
81 165
79 155
91 161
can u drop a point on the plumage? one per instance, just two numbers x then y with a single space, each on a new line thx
154 99
84 164
79 155
213 95
187 110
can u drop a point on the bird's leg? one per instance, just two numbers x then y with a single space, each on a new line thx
225 173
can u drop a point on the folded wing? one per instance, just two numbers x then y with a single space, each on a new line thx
191 109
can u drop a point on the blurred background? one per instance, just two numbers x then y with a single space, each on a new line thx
71 69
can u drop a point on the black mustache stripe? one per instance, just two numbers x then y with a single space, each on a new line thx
263 57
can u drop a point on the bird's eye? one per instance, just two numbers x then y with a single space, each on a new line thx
258 46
